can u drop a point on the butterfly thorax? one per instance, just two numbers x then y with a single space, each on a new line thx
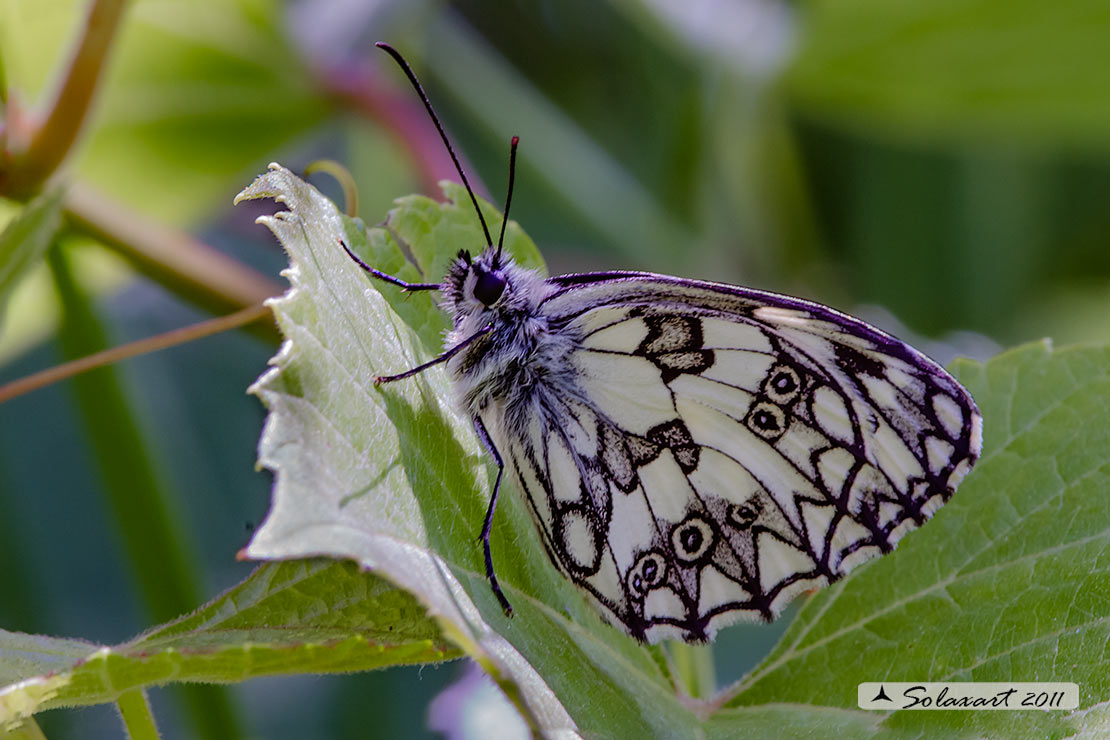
520 356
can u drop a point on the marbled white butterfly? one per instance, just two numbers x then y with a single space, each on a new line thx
693 453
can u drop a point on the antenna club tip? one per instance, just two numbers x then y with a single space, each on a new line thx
516 140
391 51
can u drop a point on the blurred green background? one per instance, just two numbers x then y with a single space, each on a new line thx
938 167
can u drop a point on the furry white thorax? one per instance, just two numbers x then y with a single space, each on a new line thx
521 358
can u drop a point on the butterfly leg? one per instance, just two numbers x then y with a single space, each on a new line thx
436 360
488 524
387 278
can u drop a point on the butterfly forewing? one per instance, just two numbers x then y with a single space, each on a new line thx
721 449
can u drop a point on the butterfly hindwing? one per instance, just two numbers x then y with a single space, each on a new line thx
722 449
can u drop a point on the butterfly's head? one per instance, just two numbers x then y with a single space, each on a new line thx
474 284
487 281
487 284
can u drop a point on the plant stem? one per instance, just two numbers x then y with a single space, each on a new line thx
693 669
343 176
134 710
186 266
51 140
122 352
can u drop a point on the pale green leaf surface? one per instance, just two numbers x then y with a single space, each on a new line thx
1009 70
309 616
1005 584
347 455
24 656
1092 723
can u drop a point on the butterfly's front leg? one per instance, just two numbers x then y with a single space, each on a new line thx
488 524
435 360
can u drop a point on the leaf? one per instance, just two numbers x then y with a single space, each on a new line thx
1008 582
314 616
25 239
347 456
1004 584
1019 70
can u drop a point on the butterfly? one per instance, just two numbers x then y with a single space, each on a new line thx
693 453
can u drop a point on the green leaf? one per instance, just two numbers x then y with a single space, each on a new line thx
25 239
1008 582
1015 70
313 616
348 455
1005 584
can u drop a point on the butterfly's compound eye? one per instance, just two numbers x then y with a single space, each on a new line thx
488 287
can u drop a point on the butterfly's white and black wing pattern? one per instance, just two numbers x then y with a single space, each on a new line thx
693 452
707 452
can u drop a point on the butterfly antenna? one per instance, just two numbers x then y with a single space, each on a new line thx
508 198
439 127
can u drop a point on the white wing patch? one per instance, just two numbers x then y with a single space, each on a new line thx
624 387
719 451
